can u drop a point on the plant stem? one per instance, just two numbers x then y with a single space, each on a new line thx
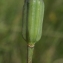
29 54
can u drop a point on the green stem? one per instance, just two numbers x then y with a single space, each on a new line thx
30 54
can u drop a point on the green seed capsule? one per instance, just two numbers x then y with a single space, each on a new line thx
33 13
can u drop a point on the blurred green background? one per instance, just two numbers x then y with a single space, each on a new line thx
13 48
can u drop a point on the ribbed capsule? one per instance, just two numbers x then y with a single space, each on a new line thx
33 12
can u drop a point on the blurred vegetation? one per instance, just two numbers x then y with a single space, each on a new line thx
13 48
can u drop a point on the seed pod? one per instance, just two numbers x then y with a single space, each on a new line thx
33 12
